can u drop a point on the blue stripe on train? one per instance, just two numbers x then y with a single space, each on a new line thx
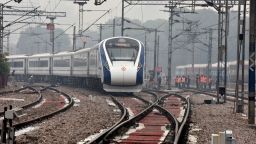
139 78
106 72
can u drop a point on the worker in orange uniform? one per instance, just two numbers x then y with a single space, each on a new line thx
200 81
205 81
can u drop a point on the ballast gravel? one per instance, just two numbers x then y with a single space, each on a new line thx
207 119
90 114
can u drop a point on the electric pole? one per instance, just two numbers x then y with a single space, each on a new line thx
145 49
155 51
170 46
158 47
240 57
51 27
8 42
209 67
74 38
251 84
100 27
2 24
122 23
114 27
1 28
81 14
22 13
171 12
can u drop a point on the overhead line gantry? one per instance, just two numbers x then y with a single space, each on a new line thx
28 13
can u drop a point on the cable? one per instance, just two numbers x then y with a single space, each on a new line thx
64 31
20 18
57 5
233 18
96 21
17 29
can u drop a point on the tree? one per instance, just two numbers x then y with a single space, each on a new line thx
4 67
4 71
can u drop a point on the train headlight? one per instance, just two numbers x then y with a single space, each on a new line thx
139 67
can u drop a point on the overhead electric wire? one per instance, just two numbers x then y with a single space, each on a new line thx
64 31
16 29
56 5
11 23
96 21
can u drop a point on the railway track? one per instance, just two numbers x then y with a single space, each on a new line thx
230 96
26 106
124 116
27 121
154 124
129 105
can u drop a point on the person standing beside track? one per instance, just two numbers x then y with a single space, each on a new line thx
159 81
197 81
179 81
204 81
200 81
176 81
210 82
188 81
183 81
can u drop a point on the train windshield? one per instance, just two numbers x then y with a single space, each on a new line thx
122 49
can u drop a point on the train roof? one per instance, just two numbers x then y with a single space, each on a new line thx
205 65
65 53
234 62
215 65
40 55
190 65
121 37
184 66
16 56
200 65
84 50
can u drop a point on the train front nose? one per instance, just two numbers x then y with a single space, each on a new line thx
123 73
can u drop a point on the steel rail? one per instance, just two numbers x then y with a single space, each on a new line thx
41 118
98 139
124 126
38 100
186 116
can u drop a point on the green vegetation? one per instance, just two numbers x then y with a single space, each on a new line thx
4 67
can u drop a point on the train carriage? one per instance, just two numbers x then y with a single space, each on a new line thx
39 64
62 64
18 64
80 63
116 63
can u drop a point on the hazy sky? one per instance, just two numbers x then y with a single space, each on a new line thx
142 13
135 12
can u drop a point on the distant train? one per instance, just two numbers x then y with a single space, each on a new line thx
116 64
201 69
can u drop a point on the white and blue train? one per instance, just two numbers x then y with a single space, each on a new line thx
116 64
